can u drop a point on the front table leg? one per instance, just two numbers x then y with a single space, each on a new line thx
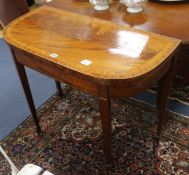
24 81
164 87
105 114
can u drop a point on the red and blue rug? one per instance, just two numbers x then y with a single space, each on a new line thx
71 143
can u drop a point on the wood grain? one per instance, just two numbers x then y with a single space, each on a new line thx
167 18
116 52
170 19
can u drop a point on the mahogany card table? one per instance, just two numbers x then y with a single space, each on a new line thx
96 56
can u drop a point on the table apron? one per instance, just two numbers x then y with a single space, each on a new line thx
124 88
142 84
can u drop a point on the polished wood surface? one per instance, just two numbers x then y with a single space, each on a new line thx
170 19
122 61
167 18
116 52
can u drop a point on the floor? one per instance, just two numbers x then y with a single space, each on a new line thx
71 142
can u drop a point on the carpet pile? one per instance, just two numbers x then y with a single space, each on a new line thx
72 144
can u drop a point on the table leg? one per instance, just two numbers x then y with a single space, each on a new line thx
59 89
105 114
24 81
163 88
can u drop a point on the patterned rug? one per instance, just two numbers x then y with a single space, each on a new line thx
71 143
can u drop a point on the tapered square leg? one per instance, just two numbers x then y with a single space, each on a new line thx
163 89
25 84
105 114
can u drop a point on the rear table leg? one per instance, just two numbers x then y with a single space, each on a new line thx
59 89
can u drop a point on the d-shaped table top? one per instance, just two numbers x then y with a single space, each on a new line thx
89 46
